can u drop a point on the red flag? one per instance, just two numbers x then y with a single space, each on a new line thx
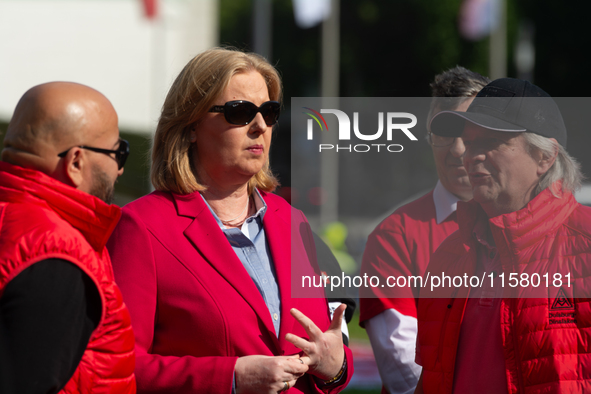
150 8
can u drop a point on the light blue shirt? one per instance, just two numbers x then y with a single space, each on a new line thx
250 245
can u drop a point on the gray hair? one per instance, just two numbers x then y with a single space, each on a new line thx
452 87
565 168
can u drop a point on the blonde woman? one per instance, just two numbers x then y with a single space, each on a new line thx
204 261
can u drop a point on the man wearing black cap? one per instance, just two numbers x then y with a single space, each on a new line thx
510 332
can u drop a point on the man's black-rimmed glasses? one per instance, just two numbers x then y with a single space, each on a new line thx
120 153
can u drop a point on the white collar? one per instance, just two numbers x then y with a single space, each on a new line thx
445 202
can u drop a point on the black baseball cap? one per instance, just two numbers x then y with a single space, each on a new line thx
509 105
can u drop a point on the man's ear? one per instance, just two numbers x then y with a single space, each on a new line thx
545 163
74 163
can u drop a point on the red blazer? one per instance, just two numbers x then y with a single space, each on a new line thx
194 308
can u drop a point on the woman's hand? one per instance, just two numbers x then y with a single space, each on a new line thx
324 352
264 374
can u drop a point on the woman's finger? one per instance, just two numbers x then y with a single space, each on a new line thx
286 385
295 367
337 318
298 342
311 329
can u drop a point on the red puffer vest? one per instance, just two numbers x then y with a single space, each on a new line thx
42 218
546 341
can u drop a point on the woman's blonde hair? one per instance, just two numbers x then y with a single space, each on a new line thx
191 96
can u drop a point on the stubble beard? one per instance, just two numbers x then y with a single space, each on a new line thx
102 188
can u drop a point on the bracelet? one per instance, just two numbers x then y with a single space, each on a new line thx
341 372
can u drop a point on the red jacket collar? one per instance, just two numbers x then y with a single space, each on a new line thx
542 215
205 235
95 219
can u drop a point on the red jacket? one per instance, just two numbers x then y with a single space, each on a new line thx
42 218
193 305
401 245
547 348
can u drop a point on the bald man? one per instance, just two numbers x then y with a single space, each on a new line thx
66 325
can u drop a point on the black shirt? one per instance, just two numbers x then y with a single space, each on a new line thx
49 312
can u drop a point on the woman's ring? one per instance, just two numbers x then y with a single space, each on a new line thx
286 387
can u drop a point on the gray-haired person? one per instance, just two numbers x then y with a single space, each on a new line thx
498 336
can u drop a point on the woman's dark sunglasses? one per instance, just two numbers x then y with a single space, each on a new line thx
120 154
242 112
